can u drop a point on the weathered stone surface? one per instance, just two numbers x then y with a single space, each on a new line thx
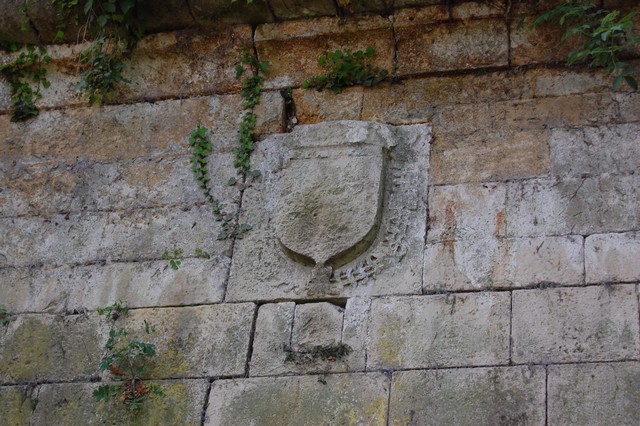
424 46
16 404
68 403
316 324
594 394
477 10
294 9
573 110
439 331
315 107
116 236
562 82
506 395
45 189
141 284
539 207
505 154
198 341
612 257
388 260
629 108
595 150
306 338
111 133
214 12
575 324
461 212
293 48
48 347
482 263
306 400
537 45
415 99
555 260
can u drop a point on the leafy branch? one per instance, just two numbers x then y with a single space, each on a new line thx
603 36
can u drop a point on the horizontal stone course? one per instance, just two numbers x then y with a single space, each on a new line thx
116 236
594 394
66 403
439 331
141 284
46 189
575 324
305 400
126 132
465 396
488 262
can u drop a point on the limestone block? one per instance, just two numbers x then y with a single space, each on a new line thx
316 324
482 263
612 257
111 133
575 324
293 48
382 181
591 394
539 207
303 400
460 212
67 403
505 154
295 9
16 403
214 12
439 331
315 107
36 347
310 338
141 284
117 236
477 263
425 46
549 260
197 341
477 10
595 150
503 395
45 189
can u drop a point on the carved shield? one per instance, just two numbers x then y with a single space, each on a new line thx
330 202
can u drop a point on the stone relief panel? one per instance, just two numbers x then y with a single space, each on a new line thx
340 210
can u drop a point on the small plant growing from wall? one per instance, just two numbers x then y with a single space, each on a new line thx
126 359
344 69
5 317
602 36
115 25
26 76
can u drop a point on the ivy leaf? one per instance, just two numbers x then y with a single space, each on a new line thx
232 181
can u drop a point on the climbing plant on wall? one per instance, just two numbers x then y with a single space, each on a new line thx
601 36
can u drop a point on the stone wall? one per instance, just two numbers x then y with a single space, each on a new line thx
477 246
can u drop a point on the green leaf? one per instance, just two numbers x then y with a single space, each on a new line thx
632 82
232 181
222 235
617 81
102 20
